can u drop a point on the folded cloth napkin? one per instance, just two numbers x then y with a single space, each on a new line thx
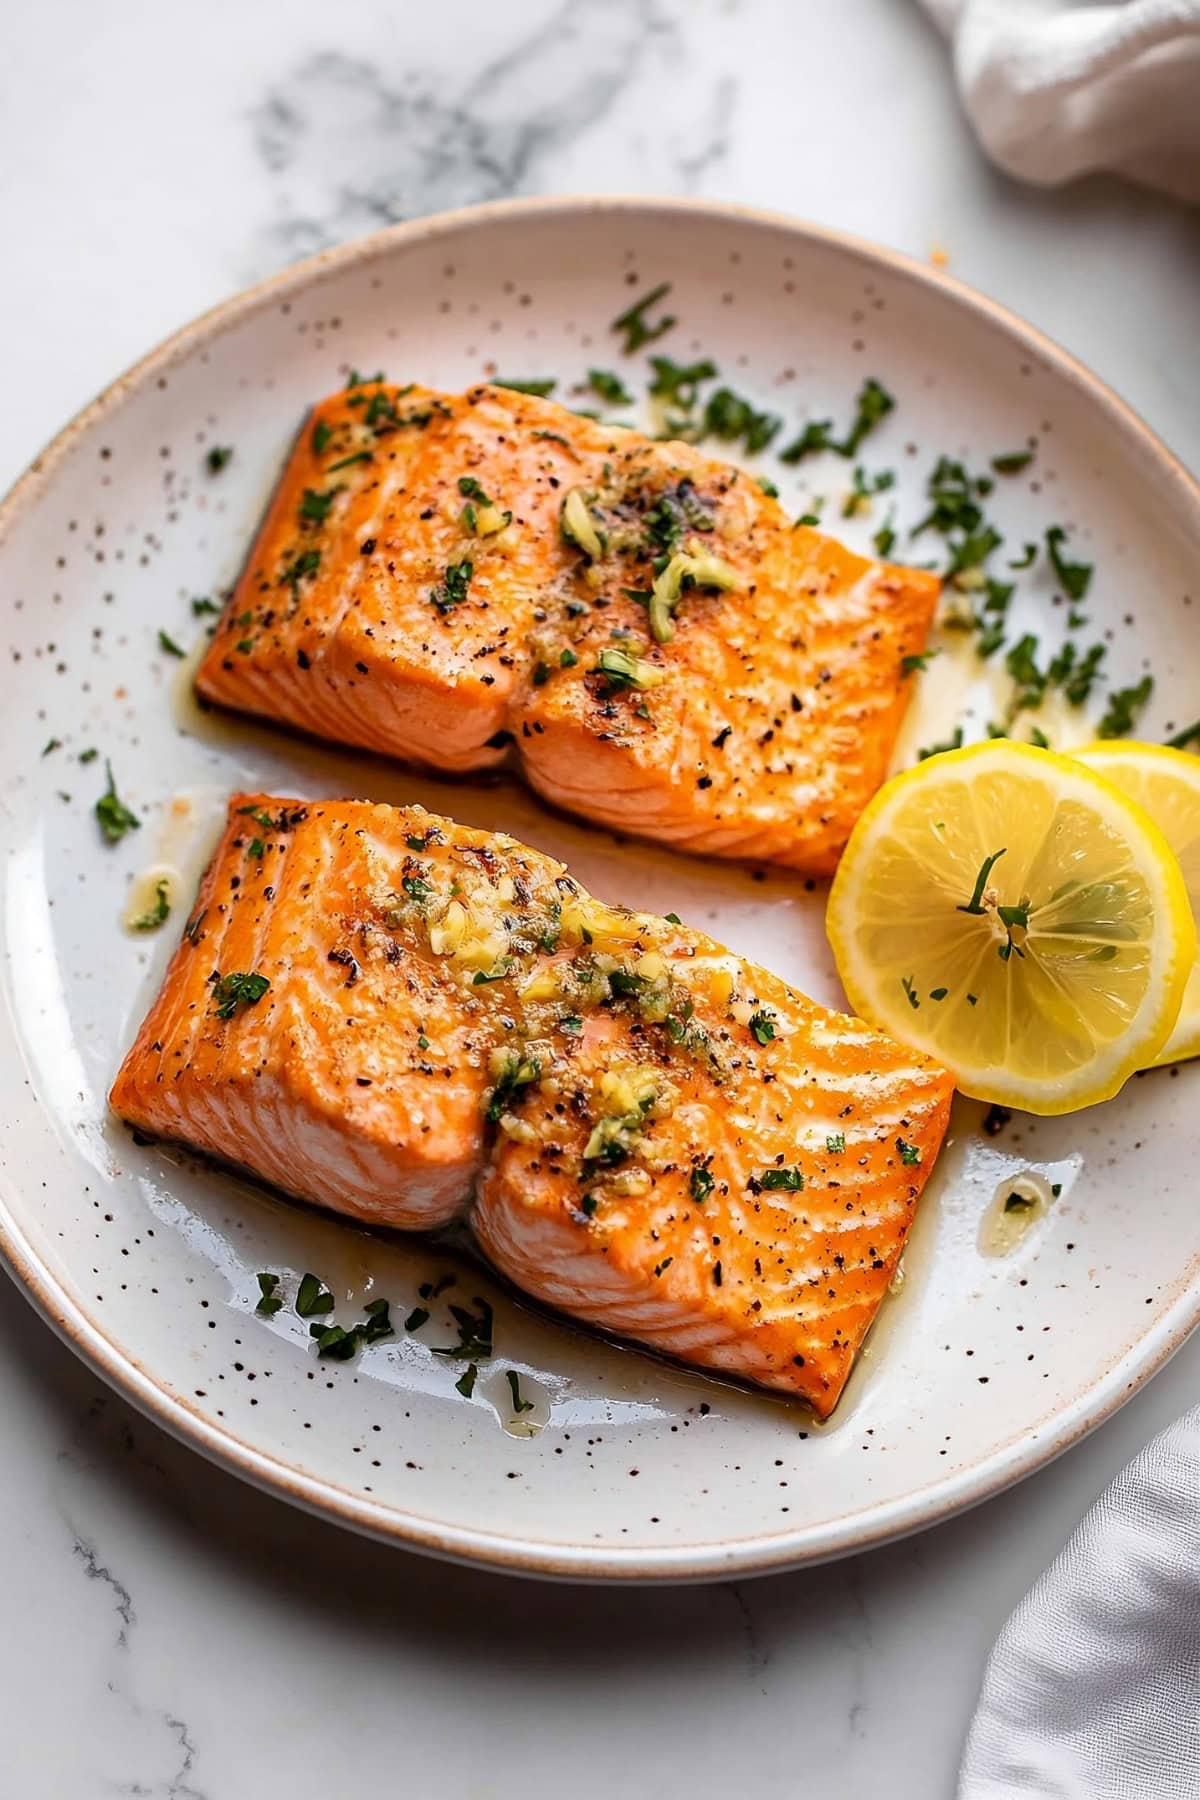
1093 1689
1055 88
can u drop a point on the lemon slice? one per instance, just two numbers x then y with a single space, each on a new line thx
1166 784
1013 914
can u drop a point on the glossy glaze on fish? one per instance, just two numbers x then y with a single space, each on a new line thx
413 1022
453 579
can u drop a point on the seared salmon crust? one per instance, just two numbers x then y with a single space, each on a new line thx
412 1022
453 579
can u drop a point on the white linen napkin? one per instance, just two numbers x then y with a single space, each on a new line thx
1093 1689
1056 88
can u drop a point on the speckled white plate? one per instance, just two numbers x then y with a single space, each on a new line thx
982 1366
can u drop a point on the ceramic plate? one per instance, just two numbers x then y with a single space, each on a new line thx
982 1365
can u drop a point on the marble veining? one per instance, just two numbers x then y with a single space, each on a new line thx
95 1570
353 144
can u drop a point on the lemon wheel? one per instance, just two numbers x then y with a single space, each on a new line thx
1014 915
1166 784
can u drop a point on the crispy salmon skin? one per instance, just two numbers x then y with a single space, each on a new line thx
441 577
413 1022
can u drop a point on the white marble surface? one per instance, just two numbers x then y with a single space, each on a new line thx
169 1632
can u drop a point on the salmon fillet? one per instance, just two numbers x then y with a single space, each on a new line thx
451 579
413 1023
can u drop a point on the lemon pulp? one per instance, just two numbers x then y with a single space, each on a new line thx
1166 784
1011 913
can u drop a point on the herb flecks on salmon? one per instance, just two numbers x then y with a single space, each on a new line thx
454 580
413 1022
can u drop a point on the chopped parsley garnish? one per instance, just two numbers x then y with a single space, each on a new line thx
912 665
217 458
638 330
786 1181
768 487
497 972
314 506
202 604
269 1301
863 488
1075 577
301 567
348 462
1124 705
1016 1202
167 643
159 913
113 816
761 1027
540 389
470 489
516 1071
238 989
256 849
52 745
874 404
338 1343
474 1333
321 435
953 742
378 1321
313 1296
417 889
417 1317
975 904
679 383
1012 464
452 590
1189 735
89 755
700 1185
884 539
938 993
910 991
813 438
809 518
466 1381
520 1405
835 1143
1026 559
1077 678
909 1154
732 419
610 387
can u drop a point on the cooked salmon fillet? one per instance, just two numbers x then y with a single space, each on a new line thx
414 1023
442 577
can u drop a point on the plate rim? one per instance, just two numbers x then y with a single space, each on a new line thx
869 1527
